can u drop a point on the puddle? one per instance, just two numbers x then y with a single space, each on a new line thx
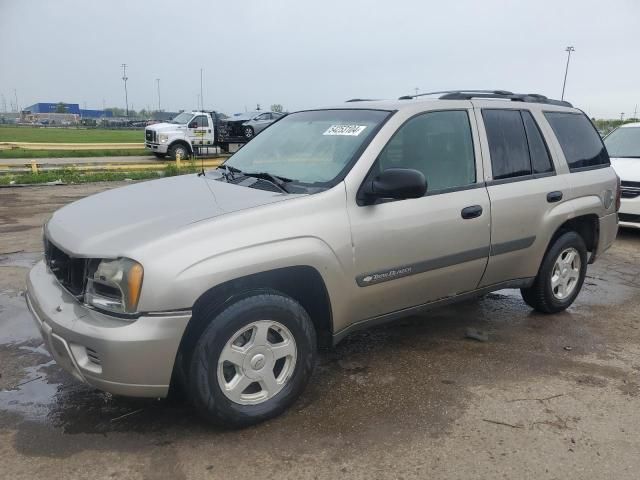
16 323
20 259
32 397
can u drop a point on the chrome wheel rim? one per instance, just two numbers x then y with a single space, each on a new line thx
257 362
566 273
248 132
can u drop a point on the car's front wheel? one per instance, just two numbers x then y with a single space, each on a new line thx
178 149
248 132
561 275
253 360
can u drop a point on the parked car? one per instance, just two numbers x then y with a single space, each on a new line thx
623 145
249 124
331 220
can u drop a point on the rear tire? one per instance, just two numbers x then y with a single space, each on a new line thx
253 360
561 275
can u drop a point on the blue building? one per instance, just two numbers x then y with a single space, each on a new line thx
73 108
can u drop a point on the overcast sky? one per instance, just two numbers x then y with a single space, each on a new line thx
309 53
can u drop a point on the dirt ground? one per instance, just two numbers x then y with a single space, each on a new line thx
546 397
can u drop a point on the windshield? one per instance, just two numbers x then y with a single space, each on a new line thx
314 148
182 119
624 142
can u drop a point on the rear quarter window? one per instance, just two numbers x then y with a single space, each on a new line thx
579 140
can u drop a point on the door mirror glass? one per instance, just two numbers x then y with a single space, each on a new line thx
395 183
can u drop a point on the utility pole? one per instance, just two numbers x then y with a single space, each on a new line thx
124 79
417 90
635 112
566 70
622 117
15 94
158 85
201 97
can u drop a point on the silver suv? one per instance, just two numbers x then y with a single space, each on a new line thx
331 220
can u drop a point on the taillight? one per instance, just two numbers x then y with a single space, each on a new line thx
618 193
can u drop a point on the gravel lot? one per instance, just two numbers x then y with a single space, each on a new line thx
545 397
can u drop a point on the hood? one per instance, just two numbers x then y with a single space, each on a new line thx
112 223
628 169
165 127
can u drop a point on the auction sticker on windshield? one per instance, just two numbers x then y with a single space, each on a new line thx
350 130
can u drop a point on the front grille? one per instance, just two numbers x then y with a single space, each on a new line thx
150 136
629 189
629 217
69 271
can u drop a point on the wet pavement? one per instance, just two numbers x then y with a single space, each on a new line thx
544 397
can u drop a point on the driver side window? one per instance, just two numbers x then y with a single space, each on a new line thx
438 144
200 121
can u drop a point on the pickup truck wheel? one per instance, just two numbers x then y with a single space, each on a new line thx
178 148
248 132
253 360
561 275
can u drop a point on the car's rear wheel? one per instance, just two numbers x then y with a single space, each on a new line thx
178 149
561 275
248 132
253 360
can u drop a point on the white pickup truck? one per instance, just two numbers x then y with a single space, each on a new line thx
185 133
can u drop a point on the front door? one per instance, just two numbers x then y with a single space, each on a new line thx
410 252
200 132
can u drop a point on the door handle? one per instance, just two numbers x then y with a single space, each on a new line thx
553 197
474 211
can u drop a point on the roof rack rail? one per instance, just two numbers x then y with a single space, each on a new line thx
360 100
497 94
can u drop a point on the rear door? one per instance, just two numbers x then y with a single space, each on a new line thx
409 252
524 186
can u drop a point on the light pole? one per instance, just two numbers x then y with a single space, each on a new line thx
158 85
566 70
622 117
201 96
125 78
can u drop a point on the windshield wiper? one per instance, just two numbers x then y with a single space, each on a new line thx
277 180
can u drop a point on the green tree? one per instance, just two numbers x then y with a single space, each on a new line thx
61 107
276 107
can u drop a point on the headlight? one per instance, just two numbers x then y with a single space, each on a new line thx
163 138
114 285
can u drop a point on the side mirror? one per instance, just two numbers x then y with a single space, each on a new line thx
395 183
193 125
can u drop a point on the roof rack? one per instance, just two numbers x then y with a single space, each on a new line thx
498 94
360 100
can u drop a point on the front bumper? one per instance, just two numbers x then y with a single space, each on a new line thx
157 147
132 358
629 213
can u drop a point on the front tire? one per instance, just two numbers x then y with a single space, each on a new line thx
253 360
561 275
180 148
248 132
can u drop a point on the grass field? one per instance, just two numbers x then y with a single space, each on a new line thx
21 153
69 135
72 175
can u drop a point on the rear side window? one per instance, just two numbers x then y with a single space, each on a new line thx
438 144
507 143
581 144
540 159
